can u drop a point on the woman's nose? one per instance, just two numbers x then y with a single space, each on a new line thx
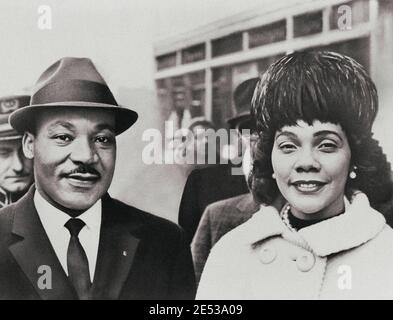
307 161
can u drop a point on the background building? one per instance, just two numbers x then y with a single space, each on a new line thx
196 72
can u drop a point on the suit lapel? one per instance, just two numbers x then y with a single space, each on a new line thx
32 250
116 252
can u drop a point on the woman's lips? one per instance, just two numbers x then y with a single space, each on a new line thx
308 186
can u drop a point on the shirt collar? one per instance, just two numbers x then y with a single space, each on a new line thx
357 225
56 218
4 198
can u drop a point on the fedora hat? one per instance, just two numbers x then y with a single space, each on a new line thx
9 104
242 97
72 83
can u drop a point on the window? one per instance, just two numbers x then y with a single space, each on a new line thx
307 24
193 54
166 61
197 88
222 95
228 44
270 33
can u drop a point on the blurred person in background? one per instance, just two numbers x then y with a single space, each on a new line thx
207 185
222 216
201 150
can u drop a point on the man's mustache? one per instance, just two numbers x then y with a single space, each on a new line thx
83 169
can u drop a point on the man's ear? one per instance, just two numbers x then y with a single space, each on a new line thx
28 145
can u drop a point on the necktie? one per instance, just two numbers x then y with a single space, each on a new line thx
77 263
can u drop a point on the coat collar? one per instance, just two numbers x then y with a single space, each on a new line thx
117 247
359 224
32 250
119 240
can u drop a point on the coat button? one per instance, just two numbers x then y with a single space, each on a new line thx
267 254
305 261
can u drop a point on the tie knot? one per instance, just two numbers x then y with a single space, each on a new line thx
74 226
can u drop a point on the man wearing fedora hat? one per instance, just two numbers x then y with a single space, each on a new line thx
94 247
16 171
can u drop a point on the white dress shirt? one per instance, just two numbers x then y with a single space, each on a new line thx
53 221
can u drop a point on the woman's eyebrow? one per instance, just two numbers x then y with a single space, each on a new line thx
327 132
286 133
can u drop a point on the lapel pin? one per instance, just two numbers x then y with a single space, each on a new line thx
125 253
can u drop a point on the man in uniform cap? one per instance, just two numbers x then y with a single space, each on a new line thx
67 238
16 171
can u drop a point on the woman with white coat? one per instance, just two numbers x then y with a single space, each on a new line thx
320 178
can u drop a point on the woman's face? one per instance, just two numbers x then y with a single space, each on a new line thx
311 165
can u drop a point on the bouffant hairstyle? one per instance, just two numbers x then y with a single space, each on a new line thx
324 86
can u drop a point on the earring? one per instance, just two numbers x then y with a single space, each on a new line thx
274 175
353 174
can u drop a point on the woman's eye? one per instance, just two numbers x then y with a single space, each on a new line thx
327 146
287 147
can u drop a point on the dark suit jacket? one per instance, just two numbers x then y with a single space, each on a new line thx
218 219
203 187
140 256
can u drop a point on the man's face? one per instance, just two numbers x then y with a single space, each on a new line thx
16 171
74 156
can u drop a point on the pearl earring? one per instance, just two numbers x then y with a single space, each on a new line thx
274 175
353 174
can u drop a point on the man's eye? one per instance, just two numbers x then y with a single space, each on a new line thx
104 139
63 138
5 152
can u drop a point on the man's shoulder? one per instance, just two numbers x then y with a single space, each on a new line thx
228 203
243 203
7 213
210 171
6 220
127 214
224 215
218 176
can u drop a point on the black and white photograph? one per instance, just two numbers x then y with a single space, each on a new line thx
210 150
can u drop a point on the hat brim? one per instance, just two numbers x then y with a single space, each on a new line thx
10 138
22 120
239 118
8 133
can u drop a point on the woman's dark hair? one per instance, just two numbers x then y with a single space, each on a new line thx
324 86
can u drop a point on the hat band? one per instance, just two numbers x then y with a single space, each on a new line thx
73 90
